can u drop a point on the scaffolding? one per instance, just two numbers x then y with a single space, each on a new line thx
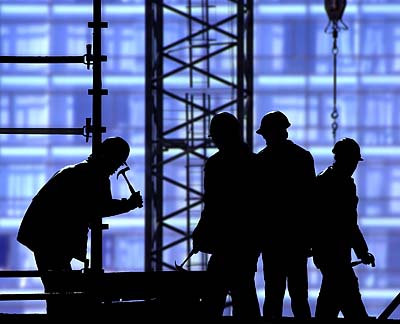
92 128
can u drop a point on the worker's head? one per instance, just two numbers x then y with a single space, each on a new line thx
273 126
347 154
112 154
116 149
225 130
347 148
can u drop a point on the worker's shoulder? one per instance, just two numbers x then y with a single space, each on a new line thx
79 169
325 175
298 149
74 167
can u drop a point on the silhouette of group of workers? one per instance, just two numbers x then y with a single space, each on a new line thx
269 204
273 204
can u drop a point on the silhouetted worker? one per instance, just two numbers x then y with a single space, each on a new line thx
287 176
337 233
56 223
227 224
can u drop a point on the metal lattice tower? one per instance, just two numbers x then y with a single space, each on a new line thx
183 92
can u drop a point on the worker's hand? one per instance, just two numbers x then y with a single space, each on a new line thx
368 258
135 200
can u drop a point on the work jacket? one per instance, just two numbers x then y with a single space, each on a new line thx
228 223
59 216
285 184
336 229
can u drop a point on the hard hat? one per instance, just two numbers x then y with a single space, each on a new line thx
115 148
347 147
224 123
273 120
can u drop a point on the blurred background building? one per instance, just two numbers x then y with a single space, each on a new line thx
293 72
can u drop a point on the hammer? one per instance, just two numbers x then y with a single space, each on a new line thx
180 267
123 171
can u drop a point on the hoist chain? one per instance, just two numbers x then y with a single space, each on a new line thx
335 113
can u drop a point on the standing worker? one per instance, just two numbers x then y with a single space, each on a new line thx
286 181
337 233
56 223
227 227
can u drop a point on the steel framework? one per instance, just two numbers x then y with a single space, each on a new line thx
183 92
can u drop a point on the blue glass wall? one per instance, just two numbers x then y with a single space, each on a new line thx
293 72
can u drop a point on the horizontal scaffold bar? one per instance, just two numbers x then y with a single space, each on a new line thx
19 273
61 131
42 59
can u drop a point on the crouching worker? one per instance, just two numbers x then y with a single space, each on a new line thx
56 223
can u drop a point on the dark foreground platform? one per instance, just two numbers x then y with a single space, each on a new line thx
141 297
121 318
